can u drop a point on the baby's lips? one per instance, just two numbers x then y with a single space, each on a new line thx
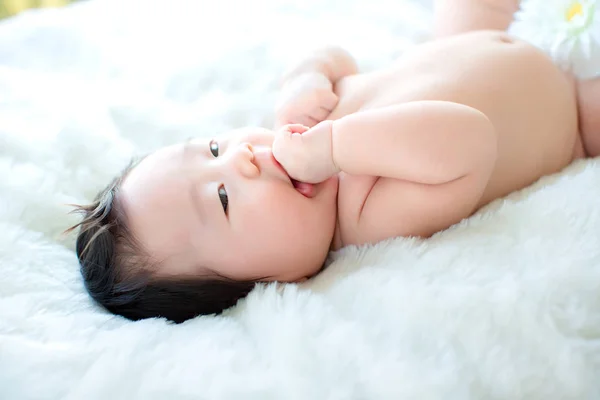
306 189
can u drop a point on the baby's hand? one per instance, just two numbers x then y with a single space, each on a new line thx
306 153
306 99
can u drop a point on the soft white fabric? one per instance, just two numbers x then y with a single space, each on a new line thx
567 30
505 305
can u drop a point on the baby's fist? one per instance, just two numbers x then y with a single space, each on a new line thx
306 153
306 99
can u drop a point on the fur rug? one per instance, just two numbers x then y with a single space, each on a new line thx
505 305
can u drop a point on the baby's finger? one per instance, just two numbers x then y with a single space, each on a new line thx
329 101
320 114
311 121
282 145
306 120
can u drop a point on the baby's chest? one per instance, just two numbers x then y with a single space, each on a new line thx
382 89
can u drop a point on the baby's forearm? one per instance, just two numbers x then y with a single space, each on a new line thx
429 142
333 62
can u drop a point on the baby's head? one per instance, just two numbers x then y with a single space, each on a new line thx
191 228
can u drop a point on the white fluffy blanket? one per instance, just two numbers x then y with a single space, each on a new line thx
505 305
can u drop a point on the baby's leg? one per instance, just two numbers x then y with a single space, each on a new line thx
452 17
588 97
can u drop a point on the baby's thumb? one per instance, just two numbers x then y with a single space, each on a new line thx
280 147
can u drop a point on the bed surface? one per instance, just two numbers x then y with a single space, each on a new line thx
505 305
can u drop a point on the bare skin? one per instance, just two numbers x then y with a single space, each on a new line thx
532 107
512 84
407 150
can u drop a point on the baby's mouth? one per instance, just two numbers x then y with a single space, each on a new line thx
306 189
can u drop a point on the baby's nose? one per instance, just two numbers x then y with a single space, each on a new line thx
244 160
245 152
248 147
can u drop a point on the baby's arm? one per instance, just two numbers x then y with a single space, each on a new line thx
452 17
428 142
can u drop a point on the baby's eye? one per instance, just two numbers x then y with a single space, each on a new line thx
223 197
214 148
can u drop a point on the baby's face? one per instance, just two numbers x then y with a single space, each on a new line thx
225 206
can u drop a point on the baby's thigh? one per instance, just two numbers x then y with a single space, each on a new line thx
588 97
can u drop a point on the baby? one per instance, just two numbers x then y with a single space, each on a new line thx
407 150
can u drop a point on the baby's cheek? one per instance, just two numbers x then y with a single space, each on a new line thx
279 209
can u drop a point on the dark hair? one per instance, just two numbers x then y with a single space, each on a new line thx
116 269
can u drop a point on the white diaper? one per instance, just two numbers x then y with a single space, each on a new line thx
567 30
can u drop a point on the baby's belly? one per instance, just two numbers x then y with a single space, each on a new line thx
531 103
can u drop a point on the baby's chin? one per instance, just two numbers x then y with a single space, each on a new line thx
312 190
323 203
325 191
